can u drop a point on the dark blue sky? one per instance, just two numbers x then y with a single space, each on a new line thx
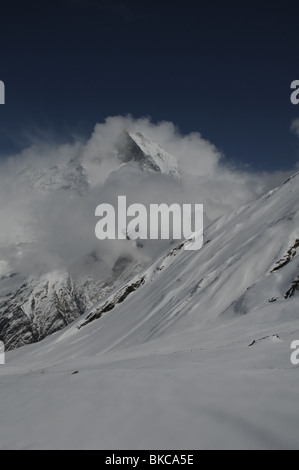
218 68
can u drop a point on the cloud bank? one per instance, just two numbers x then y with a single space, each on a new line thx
49 193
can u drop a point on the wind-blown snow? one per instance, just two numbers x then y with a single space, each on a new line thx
196 357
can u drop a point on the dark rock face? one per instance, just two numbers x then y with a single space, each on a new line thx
118 298
32 309
291 253
293 289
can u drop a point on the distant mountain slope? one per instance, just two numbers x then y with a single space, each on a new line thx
33 307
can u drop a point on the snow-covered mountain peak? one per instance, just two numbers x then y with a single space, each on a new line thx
149 154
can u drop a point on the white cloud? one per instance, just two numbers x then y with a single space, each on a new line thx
59 224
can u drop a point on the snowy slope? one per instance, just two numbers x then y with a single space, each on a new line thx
192 353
